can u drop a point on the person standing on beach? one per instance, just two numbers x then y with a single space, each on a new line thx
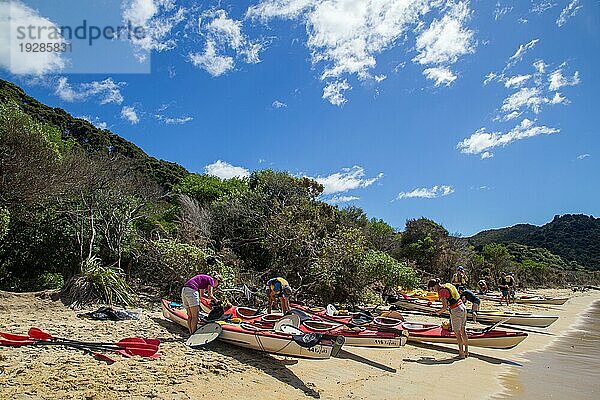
507 288
196 288
458 313
467 295
279 288
459 279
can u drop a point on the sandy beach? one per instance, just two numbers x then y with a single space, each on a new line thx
416 372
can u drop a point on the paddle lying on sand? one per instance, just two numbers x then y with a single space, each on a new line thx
139 345
126 347
19 343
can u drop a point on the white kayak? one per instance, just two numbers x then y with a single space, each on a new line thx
506 317
257 338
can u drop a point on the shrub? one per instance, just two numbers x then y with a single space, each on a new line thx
168 264
49 280
97 283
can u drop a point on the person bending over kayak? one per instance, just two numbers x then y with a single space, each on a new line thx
467 295
483 287
458 313
279 288
200 286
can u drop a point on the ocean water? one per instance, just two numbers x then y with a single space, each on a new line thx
569 368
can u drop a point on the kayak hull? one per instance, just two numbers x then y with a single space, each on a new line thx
494 339
259 339
536 300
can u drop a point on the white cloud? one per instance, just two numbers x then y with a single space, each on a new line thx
95 121
516 81
542 6
441 75
12 15
380 78
345 37
107 90
426 193
225 170
347 179
278 104
569 11
158 18
540 66
582 156
341 199
557 80
173 120
481 142
558 99
223 34
521 52
129 114
333 92
530 97
501 11
210 61
447 39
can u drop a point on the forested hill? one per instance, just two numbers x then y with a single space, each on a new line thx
91 138
574 237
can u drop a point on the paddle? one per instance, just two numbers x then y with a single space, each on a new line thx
19 343
492 327
311 339
125 347
137 343
205 334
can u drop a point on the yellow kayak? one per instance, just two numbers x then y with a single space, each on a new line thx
421 294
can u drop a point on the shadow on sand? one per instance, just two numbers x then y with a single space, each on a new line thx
270 365
264 362
346 355
433 361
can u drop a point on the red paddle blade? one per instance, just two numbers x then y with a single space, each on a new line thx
124 353
11 336
153 342
39 334
103 357
141 352
141 345
16 343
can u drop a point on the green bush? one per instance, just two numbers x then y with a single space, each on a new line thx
49 280
169 264
97 283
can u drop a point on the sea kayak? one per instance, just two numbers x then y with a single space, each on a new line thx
495 339
356 336
524 299
255 337
507 317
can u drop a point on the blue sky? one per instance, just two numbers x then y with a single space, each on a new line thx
477 114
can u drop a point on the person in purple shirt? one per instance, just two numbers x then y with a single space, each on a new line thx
193 290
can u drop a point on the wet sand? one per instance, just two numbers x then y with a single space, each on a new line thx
416 372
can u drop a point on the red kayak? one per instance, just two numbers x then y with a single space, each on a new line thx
495 338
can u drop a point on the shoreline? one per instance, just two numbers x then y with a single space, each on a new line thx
512 373
415 371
